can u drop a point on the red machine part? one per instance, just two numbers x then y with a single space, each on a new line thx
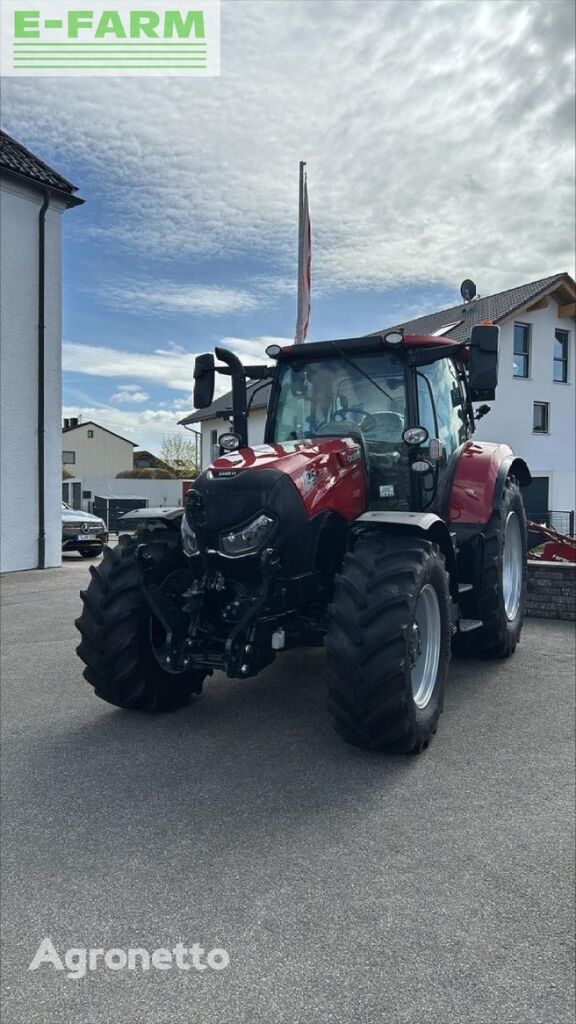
559 547
474 483
329 474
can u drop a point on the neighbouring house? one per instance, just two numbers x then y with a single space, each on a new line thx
33 198
146 460
215 419
534 409
91 450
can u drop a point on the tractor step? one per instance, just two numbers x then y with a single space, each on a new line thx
465 588
467 625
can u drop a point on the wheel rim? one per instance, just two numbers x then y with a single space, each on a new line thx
425 645
512 558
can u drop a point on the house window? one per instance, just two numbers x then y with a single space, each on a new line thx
541 417
90 433
68 458
521 361
561 356
213 437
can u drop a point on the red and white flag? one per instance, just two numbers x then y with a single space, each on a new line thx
304 260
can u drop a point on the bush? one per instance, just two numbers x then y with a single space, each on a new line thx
147 474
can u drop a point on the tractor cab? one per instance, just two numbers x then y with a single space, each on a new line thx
406 400
407 404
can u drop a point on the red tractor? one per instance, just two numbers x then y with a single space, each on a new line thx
369 521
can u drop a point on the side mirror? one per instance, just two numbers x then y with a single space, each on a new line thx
483 362
204 376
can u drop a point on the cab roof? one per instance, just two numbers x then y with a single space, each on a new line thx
368 343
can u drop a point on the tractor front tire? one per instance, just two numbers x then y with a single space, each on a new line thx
388 643
501 593
117 630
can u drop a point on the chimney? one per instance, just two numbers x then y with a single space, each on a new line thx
66 424
74 422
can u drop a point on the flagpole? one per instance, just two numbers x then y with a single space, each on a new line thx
301 228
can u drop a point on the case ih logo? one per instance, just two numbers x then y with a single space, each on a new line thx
63 38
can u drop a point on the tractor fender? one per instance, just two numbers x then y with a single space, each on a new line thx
425 524
479 478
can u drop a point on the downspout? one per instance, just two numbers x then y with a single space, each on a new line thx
41 382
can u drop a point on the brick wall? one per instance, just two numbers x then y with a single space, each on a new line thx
551 590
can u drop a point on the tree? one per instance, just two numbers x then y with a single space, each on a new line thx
180 454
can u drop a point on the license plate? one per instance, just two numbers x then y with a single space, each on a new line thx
83 536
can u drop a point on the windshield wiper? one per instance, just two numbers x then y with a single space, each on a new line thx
360 370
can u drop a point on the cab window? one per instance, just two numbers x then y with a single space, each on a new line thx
449 406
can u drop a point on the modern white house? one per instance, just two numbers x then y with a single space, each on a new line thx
91 450
33 198
215 420
534 409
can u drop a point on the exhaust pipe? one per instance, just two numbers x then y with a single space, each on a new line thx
239 415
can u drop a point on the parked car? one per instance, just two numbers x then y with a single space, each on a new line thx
138 519
82 532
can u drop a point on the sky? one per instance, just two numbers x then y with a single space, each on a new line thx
439 141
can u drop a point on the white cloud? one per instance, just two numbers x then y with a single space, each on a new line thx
438 137
164 297
130 393
171 366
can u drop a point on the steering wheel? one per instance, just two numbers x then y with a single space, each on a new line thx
389 425
364 420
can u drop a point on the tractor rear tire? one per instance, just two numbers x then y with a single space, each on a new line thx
391 601
501 597
117 628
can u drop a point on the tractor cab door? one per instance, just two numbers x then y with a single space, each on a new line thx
442 409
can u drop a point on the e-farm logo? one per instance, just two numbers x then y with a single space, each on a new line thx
78 38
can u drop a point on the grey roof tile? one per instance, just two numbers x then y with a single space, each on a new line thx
16 158
491 307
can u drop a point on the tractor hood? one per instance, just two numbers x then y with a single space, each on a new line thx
287 456
298 485
315 468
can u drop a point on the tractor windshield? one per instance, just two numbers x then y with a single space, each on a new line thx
321 396
328 397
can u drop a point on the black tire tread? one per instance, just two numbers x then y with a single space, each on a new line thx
367 648
114 623
497 638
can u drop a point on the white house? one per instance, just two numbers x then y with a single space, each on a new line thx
32 199
215 420
91 450
534 409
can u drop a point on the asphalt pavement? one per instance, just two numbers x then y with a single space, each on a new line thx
344 886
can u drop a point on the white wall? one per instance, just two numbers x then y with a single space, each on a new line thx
19 210
158 492
256 425
101 455
553 454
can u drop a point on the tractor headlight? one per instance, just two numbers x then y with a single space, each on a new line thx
247 538
229 442
415 435
189 542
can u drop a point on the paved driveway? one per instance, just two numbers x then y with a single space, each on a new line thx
345 886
